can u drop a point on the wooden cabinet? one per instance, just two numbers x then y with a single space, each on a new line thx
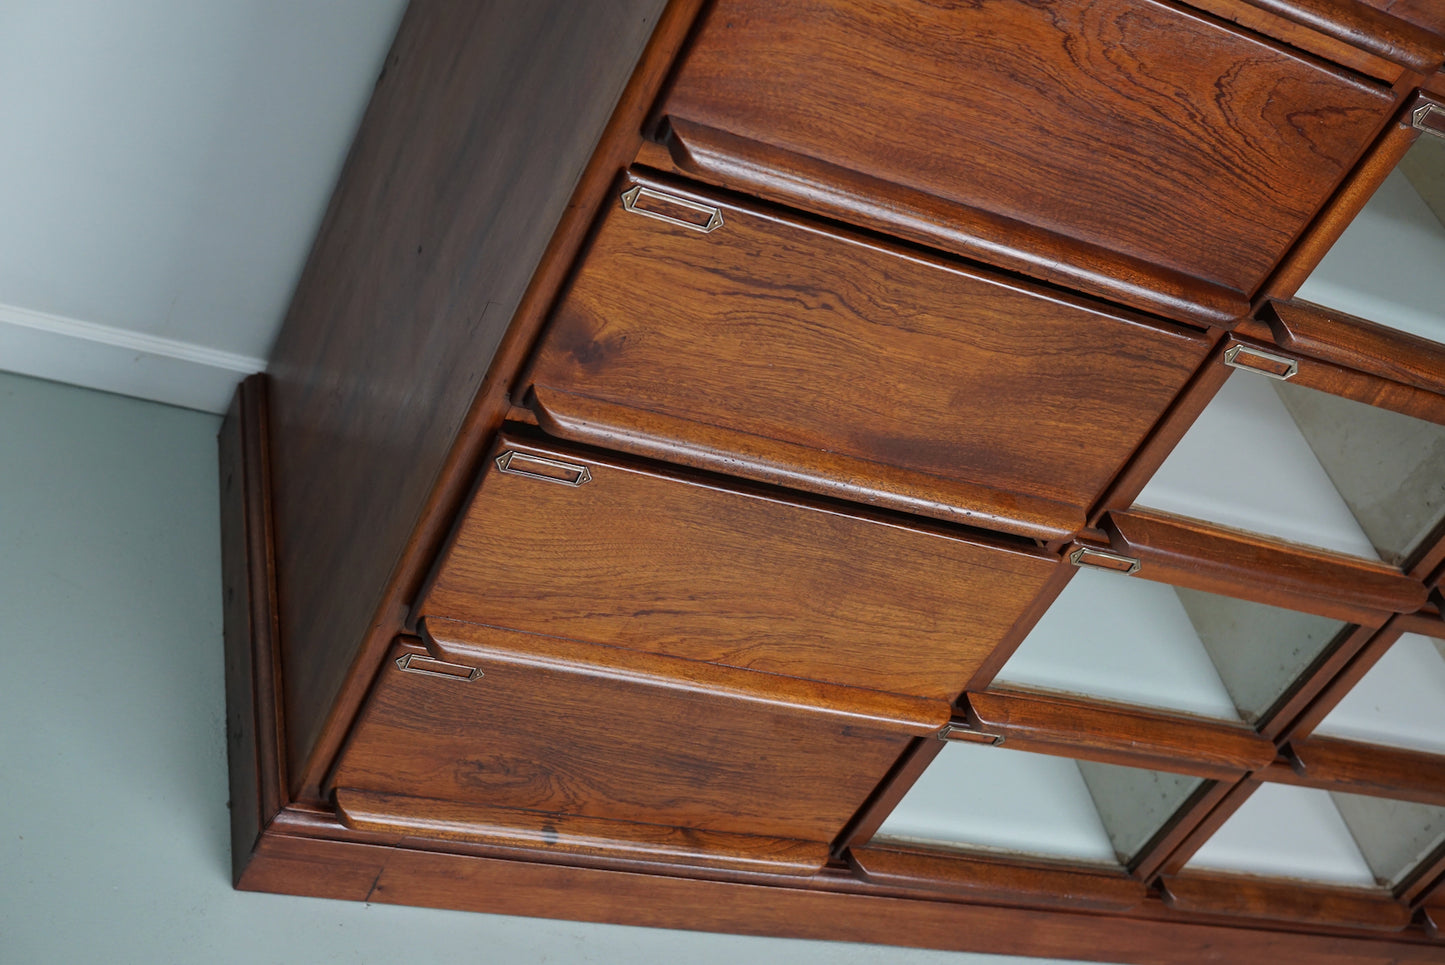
629 555
1137 149
907 472
515 732
805 356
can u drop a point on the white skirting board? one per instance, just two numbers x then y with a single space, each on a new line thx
120 361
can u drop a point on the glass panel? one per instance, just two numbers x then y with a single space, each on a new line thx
1386 265
1308 467
1394 836
1134 641
1289 832
980 798
1400 702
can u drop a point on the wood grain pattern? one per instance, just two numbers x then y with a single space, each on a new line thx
1357 343
1216 559
1014 637
643 559
1370 389
254 746
1316 240
981 879
897 783
834 907
1076 728
1395 29
500 887
1167 433
770 172
803 356
1360 768
558 834
384 417
594 732
314 867
1427 14
466 643
428 244
1154 148
1374 62
1424 883
1243 896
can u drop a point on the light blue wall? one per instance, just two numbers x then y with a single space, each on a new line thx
112 755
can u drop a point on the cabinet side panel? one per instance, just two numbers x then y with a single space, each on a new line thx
478 130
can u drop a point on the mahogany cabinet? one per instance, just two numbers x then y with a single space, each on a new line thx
961 475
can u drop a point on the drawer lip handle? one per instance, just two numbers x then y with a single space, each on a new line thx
516 463
967 733
1247 358
637 192
1429 118
1101 559
432 667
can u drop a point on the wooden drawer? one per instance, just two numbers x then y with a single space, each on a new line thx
634 556
804 356
1122 146
497 736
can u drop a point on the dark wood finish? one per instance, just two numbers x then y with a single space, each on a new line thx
835 910
800 355
1433 916
1388 28
779 175
596 732
1296 33
424 254
1242 896
1357 343
553 834
1071 727
1164 118
1427 14
1014 638
1356 767
315 867
1347 202
985 880
761 672
906 772
308 853
1424 881
1370 389
249 601
1215 559
1428 561
1166 435
652 561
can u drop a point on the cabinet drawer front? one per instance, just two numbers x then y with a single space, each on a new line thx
792 354
596 732
1125 126
634 557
